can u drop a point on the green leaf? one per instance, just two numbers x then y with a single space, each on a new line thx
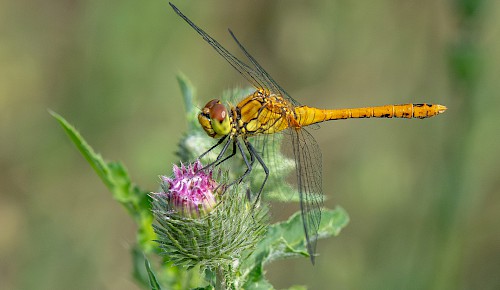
140 274
286 239
189 94
152 277
258 284
116 178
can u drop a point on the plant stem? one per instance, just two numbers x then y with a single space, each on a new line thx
220 280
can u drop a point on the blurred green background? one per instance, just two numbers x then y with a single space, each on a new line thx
423 196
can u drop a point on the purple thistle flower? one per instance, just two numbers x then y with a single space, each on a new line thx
198 223
191 191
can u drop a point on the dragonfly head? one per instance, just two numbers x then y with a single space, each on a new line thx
214 119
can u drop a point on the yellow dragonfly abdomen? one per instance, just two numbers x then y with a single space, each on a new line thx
307 115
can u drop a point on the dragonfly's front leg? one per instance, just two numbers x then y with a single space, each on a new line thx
227 157
212 148
217 161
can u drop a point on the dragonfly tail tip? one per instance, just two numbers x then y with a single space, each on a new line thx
441 109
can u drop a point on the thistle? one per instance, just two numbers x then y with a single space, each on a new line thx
202 222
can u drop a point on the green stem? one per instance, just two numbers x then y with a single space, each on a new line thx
220 280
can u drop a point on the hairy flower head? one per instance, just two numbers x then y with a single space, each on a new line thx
201 221
191 191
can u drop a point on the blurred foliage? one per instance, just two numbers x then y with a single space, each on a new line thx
422 195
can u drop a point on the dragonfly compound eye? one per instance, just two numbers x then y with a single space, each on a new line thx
214 119
219 119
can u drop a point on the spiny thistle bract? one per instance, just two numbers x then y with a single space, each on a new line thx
201 222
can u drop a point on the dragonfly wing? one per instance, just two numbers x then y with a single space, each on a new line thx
308 168
270 83
255 78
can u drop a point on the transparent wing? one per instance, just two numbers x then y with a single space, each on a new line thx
248 73
308 168
257 76
270 82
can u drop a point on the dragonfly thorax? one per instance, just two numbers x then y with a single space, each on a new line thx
214 119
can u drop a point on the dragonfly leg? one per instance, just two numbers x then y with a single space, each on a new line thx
212 148
248 164
221 153
229 156
253 152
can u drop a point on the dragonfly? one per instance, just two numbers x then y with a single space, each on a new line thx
271 110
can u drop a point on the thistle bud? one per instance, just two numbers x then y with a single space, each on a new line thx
200 221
